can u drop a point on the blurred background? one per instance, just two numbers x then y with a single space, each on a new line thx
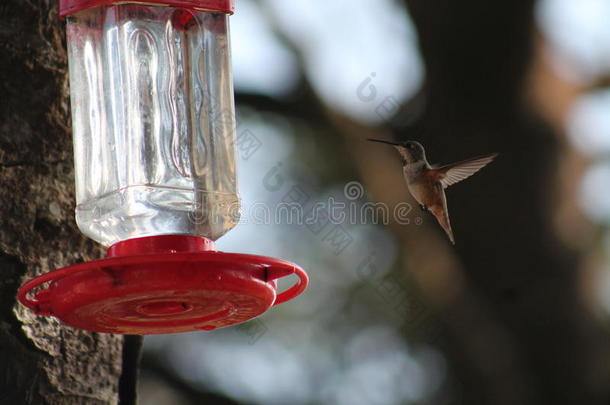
516 312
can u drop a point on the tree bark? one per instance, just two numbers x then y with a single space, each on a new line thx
41 360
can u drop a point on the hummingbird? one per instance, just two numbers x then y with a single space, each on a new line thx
427 183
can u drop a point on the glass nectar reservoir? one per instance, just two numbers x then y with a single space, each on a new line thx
153 122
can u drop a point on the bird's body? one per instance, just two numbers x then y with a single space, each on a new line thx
427 183
427 190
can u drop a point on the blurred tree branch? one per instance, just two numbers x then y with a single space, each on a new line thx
194 394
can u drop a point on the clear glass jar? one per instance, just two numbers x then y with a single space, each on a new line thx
153 122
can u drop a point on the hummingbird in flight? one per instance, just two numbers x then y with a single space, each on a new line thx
427 183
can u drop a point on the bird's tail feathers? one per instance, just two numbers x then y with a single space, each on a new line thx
442 217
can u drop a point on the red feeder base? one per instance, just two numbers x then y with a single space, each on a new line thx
162 284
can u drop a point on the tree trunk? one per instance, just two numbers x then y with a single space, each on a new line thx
41 360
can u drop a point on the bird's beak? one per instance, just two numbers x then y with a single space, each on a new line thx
382 141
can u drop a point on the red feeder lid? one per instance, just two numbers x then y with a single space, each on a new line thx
162 284
67 7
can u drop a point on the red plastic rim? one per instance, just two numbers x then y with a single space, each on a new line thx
67 7
162 284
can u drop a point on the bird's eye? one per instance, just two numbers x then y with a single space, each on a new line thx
410 146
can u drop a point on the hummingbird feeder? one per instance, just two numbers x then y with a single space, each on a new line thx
154 128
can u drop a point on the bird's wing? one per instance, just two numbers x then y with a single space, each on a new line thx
456 172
